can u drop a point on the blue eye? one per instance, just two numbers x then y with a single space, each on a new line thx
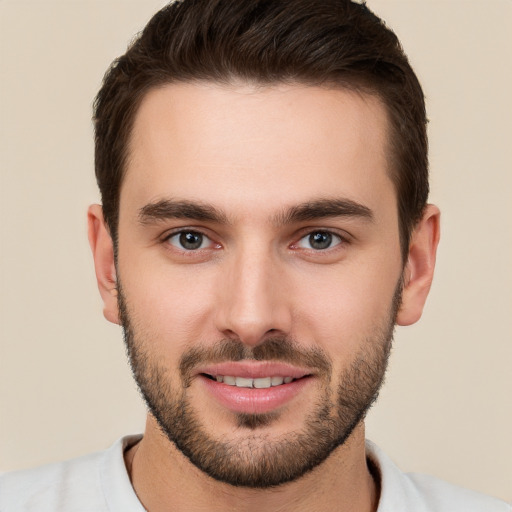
319 240
189 240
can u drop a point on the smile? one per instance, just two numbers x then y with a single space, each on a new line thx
254 387
258 383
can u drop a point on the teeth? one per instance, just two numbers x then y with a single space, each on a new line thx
260 383
242 382
263 383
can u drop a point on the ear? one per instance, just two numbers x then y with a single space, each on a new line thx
104 263
419 270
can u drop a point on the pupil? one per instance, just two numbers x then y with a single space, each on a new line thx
191 240
320 240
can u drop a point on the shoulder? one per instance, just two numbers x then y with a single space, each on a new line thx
438 494
423 493
78 485
73 483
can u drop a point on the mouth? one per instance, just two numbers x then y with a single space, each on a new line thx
256 383
254 387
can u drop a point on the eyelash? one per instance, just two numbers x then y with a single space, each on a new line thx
333 240
167 239
332 237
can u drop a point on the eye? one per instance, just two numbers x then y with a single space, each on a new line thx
319 240
189 240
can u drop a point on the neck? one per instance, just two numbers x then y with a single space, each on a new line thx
164 480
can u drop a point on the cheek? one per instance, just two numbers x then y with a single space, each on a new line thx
343 310
172 307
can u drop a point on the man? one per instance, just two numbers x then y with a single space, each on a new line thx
264 225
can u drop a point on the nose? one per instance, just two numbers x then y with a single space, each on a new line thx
253 304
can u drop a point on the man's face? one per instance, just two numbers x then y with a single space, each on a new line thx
259 271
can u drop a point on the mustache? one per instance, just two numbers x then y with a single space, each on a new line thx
272 349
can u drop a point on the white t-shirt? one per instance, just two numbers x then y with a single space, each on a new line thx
99 483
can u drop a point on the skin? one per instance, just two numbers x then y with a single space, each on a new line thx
254 153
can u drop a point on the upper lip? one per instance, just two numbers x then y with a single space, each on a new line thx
253 369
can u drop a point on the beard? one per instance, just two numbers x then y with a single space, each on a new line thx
260 460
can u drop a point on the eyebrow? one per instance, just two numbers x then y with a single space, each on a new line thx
324 208
171 209
317 209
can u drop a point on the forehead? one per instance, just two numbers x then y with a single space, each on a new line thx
247 146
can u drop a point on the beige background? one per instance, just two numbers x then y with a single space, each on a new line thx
65 388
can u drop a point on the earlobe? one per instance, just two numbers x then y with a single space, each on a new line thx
104 263
419 270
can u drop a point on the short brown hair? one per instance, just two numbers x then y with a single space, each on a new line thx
335 43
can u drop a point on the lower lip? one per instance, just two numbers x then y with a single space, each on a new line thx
252 400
